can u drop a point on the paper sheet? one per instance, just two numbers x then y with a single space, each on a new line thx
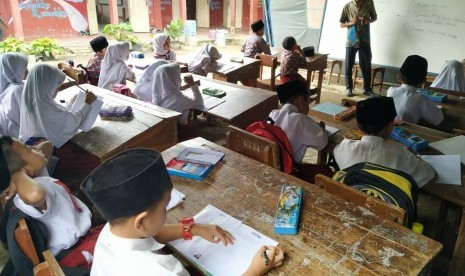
176 198
330 130
210 102
217 259
91 117
447 167
454 145
329 108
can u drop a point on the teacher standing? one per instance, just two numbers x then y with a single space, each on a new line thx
357 16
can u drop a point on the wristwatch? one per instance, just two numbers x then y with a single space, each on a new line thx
187 227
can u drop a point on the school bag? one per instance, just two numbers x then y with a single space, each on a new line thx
390 185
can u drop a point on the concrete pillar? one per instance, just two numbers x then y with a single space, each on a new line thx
182 10
92 17
113 6
232 7
157 13
17 21
139 15
253 11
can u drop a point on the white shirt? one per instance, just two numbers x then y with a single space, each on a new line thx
376 150
10 107
114 256
64 223
411 106
300 129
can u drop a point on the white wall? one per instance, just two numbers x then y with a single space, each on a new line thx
139 16
203 14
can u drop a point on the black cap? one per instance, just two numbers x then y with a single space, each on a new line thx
4 171
376 110
290 89
128 184
415 69
99 43
257 25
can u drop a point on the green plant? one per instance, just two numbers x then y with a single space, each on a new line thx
46 47
121 32
12 44
174 29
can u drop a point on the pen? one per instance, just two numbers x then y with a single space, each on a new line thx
266 258
73 82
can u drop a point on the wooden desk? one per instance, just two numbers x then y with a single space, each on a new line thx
151 127
335 237
247 72
147 62
244 105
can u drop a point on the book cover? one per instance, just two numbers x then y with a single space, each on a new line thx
288 211
201 155
188 169
329 108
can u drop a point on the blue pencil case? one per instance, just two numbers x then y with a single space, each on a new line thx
409 139
434 96
288 211
136 54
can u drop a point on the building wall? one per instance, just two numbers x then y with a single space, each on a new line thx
5 15
51 18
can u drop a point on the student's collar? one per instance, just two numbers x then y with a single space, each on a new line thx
408 87
142 244
373 139
290 107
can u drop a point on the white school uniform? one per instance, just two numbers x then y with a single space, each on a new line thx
12 69
375 149
205 60
65 225
165 86
115 256
143 87
41 115
451 77
114 69
411 106
300 129
160 53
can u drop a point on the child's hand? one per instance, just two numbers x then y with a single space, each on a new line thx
9 192
213 233
189 80
261 264
322 124
130 65
90 98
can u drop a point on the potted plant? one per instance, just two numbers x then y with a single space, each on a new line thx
12 44
122 33
45 47
174 31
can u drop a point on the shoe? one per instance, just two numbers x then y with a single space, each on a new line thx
369 93
349 93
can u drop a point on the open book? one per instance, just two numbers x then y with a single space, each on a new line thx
217 259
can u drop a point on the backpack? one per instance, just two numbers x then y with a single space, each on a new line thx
389 185
268 130
123 90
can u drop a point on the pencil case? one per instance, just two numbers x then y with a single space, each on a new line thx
288 211
434 96
136 54
214 92
122 111
411 140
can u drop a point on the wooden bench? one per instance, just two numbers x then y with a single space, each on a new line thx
374 71
272 63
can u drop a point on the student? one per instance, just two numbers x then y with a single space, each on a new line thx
375 117
451 77
13 69
42 200
161 47
255 44
143 87
99 45
292 118
134 201
205 61
114 69
410 105
291 59
166 91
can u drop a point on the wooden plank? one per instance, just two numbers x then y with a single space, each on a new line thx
243 72
334 235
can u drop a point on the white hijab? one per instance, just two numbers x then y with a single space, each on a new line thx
451 77
13 66
41 116
158 42
202 63
166 83
143 88
114 68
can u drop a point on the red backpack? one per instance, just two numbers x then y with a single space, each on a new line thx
268 130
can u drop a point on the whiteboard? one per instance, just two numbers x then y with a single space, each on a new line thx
429 28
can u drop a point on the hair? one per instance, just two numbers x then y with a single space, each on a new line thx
289 42
13 159
372 129
411 82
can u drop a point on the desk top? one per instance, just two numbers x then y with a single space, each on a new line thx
106 136
236 66
335 236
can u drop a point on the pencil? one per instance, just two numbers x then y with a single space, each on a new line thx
73 82
266 258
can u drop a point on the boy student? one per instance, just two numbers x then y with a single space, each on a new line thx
375 117
291 59
255 44
99 45
134 201
42 199
410 105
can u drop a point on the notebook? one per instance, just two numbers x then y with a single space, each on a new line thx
447 167
176 198
454 145
329 108
91 117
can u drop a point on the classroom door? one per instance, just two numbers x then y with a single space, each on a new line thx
216 13
166 12
191 9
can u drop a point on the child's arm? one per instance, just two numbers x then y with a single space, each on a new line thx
211 233
31 192
266 258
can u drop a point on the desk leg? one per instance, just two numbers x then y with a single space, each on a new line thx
320 84
457 265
